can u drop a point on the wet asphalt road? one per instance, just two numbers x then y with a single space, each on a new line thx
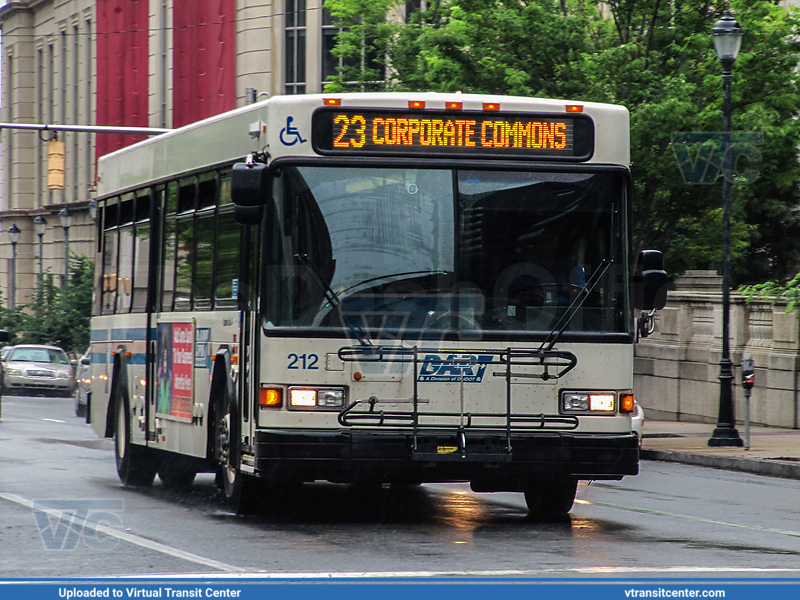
671 520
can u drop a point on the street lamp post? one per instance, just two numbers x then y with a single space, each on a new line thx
13 235
727 37
41 226
66 223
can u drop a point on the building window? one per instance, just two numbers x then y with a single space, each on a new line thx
414 6
332 64
8 142
76 114
87 108
41 162
295 56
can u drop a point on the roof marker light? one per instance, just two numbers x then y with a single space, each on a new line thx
454 105
574 107
491 106
332 101
416 104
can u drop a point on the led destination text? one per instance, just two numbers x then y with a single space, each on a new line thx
401 132
447 132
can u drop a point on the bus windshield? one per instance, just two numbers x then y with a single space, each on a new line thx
410 252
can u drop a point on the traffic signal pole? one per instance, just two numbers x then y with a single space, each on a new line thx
86 128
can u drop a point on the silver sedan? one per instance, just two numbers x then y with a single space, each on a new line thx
31 369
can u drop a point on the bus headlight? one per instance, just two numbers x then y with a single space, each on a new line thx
588 402
305 398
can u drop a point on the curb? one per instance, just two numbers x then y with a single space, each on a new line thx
744 465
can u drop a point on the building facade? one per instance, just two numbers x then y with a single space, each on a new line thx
133 63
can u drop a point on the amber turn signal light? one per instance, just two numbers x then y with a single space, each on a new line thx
270 397
626 403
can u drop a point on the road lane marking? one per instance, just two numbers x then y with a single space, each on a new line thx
54 420
661 513
555 572
135 539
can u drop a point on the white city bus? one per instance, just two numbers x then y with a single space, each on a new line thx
378 288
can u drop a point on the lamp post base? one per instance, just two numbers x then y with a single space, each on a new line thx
725 436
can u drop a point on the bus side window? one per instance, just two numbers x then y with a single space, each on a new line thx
141 267
141 251
204 243
109 285
168 252
226 253
183 263
227 259
168 262
125 276
204 260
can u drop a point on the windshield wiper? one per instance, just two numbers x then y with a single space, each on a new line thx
332 297
400 276
573 308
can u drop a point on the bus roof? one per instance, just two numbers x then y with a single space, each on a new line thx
231 136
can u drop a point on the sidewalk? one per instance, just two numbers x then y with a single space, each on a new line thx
773 451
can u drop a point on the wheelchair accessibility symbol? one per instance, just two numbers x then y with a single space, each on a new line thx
289 134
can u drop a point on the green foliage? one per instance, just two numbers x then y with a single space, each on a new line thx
788 292
54 315
656 58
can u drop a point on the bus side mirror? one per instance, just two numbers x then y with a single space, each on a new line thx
3 335
249 188
650 281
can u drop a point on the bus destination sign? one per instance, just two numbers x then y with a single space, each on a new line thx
417 133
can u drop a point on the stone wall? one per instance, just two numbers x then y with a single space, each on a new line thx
677 368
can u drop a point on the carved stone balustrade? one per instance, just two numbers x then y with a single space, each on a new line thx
677 368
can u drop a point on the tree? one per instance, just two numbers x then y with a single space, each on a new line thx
10 319
56 316
362 43
655 57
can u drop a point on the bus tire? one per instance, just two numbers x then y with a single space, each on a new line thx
135 464
551 499
228 450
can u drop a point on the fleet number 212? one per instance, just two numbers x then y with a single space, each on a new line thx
303 361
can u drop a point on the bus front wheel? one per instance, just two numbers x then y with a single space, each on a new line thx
238 488
551 499
135 464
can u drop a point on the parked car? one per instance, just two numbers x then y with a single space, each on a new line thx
637 420
5 352
32 369
83 383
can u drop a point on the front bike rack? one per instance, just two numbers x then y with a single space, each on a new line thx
511 363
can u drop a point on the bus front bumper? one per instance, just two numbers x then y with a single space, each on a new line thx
484 459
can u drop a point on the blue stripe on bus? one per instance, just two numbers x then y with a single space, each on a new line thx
134 334
131 333
138 358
